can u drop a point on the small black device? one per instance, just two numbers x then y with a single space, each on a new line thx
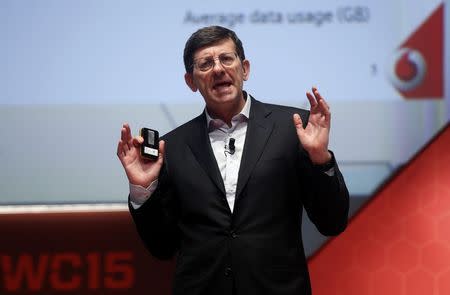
150 146
231 145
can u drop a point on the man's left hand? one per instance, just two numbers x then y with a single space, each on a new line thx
315 136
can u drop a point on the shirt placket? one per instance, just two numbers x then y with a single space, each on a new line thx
230 179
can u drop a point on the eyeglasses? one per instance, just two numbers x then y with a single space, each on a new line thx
205 64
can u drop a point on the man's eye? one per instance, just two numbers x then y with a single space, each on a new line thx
204 63
227 59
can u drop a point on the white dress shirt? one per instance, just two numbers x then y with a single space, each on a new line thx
227 161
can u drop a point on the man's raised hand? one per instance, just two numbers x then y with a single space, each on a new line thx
139 171
315 136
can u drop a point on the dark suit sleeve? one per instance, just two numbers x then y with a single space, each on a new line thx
327 199
156 220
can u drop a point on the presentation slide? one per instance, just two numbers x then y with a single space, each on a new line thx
72 72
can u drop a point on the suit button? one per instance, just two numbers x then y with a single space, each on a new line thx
233 234
228 271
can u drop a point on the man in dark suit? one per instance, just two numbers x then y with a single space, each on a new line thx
227 191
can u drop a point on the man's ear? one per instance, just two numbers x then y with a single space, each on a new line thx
246 69
190 81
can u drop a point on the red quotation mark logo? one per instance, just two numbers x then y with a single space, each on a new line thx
416 68
408 70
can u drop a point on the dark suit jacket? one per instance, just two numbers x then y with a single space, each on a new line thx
257 248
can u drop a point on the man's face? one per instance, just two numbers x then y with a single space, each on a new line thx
221 85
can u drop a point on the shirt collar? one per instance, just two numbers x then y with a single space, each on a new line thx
243 115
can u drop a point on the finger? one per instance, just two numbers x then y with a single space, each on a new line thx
298 122
162 150
316 93
323 106
312 100
325 110
137 141
125 139
120 151
126 132
319 97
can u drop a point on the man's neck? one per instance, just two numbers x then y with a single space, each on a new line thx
226 113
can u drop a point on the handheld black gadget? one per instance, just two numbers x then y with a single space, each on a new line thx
149 148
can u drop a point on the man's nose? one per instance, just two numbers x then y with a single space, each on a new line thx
217 66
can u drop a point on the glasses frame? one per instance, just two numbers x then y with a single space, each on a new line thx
212 61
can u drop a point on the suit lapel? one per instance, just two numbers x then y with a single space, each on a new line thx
259 129
201 148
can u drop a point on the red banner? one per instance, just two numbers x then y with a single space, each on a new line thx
77 253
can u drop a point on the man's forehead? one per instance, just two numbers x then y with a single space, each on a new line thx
225 45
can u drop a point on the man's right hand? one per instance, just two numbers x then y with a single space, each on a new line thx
139 171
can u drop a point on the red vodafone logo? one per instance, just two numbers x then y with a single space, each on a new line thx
416 68
408 69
